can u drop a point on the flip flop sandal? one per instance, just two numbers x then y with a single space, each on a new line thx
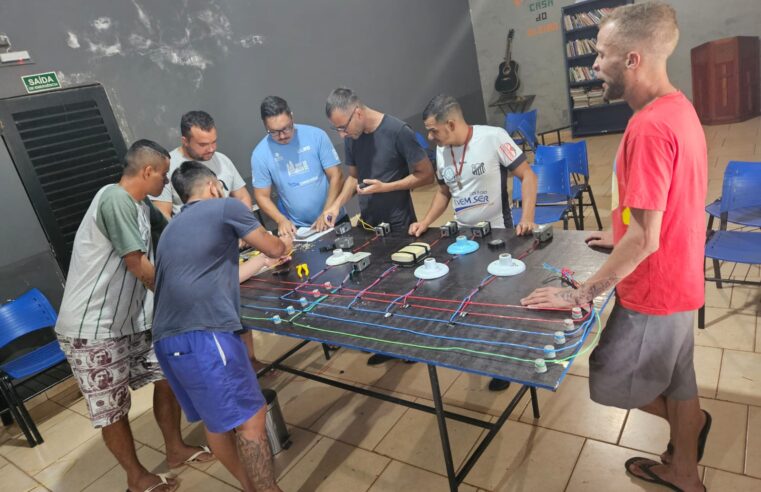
194 457
645 465
164 482
702 438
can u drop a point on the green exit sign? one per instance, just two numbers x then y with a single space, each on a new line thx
41 82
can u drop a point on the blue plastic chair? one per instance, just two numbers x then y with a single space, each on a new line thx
430 151
421 140
27 314
740 193
522 128
575 154
553 187
749 216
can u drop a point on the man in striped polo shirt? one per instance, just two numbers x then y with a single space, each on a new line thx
104 321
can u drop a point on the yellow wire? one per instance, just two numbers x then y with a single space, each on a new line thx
366 226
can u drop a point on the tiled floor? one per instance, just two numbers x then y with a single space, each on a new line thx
348 442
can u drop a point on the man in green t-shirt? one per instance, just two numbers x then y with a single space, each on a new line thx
104 321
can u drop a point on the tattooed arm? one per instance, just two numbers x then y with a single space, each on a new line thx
640 240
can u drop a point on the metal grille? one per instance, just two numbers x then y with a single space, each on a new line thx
66 145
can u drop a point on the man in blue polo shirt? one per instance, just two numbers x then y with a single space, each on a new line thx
303 166
197 312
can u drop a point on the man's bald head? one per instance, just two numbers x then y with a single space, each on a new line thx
649 27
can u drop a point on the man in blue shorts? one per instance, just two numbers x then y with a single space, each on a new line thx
197 314
302 165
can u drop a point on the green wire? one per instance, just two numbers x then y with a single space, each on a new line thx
442 349
588 347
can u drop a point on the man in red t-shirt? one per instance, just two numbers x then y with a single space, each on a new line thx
645 356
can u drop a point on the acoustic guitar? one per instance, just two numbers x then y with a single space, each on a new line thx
507 81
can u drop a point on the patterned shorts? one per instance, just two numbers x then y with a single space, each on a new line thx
106 369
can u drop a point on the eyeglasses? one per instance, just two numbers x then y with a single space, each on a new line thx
284 131
343 128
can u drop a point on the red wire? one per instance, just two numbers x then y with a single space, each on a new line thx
365 244
419 298
367 290
420 306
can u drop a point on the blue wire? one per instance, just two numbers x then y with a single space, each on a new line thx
406 330
434 320
393 328
584 326
381 277
469 297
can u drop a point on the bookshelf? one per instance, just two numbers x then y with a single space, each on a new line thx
589 113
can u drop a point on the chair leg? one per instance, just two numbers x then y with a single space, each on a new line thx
7 391
717 273
6 418
24 413
572 207
581 212
565 221
710 222
594 208
702 317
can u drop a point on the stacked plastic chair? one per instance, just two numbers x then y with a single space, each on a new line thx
522 128
575 154
29 313
741 200
553 190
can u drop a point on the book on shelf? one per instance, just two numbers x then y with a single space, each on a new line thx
581 74
587 98
580 47
584 19
579 97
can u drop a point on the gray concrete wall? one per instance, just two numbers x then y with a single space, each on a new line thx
26 259
540 55
158 59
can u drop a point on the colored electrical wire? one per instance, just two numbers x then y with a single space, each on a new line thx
420 318
447 310
419 298
367 298
402 299
566 274
359 248
428 335
436 348
373 284
365 225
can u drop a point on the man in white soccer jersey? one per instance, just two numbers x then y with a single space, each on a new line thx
104 321
472 163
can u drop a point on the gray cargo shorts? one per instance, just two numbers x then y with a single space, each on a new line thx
642 356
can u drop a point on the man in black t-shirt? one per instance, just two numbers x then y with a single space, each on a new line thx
384 161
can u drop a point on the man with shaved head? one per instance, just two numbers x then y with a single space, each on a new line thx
197 315
645 356
104 322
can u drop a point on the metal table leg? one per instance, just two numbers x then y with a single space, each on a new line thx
441 419
534 403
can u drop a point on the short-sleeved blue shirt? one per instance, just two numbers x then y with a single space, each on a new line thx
197 268
298 171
